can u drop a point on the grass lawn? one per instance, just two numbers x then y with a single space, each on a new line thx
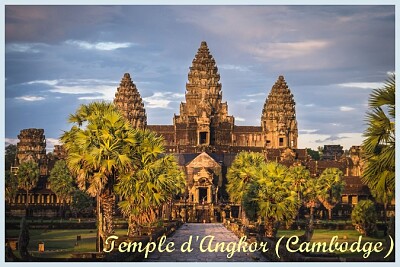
350 236
61 243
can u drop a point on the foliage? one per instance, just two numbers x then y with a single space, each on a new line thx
10 155
364 217
28 177
278 203
11 186
315 155
379 143
82 205
330 187
61 181
99 145
156 180
241 173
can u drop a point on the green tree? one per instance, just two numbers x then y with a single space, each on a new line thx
241 173
156 181
299 175
331 186
99 145
28 177
11 186
379 143
277 202
10 155
315 155
61 183
82 204
364 217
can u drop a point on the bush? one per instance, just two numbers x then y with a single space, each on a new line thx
364 217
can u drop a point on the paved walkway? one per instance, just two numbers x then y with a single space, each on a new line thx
200 230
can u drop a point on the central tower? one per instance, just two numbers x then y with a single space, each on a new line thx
203 120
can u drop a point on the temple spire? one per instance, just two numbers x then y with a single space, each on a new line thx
129 103
278 119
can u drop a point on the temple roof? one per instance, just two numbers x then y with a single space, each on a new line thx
130 103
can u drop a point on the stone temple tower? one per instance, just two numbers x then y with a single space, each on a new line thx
129 103
278 119
203 119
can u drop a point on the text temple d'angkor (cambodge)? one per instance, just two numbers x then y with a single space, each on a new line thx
205 141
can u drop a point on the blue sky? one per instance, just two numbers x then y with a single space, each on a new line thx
58 57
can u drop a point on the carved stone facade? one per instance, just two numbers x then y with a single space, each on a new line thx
203 119
278 120
32 147
203 123
130 104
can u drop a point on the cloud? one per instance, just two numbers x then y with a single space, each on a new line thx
287 50
92 89
30 98
239 119
103 46
50 143
47 82
11 141
24 47
345 109
162 99
308 131
362 85
309 105
233 67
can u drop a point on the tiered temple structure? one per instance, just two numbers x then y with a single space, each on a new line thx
278 120
205 141
130 104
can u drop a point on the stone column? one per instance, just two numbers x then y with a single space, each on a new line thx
209 197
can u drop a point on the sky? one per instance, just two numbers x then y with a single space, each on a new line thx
59 57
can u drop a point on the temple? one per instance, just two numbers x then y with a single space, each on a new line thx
205 140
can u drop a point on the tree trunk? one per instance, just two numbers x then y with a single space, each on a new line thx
107 208
270 228
329 214
99 245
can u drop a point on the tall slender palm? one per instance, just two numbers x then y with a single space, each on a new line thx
379 143
299 175
28 177
241 173
332 185
98 145
61 183
277 202
156 180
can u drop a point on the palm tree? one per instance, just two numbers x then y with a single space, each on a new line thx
241 173
98 145
277 202
61 183
156 180
299 175
28 177
331 186
379 143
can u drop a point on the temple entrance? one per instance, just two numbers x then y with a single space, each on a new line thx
203 195
203 214
202 138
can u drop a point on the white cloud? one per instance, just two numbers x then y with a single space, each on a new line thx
30 98
345 109
162 99
103 46
287 50
51 142
47 82
24 47
233 67
239 119
362 85
308 131
9 141
257 94
309 105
